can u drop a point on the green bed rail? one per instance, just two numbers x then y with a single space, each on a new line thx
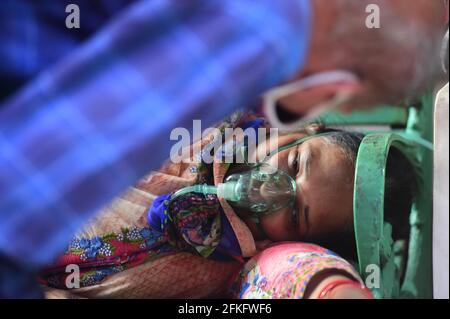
411 133
382 115
376 251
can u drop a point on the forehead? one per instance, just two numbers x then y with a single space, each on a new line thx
328 189
322 148
329 161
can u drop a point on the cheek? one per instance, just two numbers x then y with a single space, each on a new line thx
331 214
328 223
276 227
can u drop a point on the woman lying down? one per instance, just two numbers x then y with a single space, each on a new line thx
162 239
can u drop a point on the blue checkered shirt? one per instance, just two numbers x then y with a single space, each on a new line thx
85 112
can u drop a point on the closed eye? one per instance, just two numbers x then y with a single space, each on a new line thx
296 163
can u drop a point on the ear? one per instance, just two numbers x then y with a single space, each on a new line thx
298 104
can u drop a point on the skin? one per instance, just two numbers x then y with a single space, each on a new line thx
386 68
324 191
321 280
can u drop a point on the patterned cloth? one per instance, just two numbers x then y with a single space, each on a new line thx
284 271
197 220
194 224
88 126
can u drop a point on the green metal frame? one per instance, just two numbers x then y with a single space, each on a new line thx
373 236
382 115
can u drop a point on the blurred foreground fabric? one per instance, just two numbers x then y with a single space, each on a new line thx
95 119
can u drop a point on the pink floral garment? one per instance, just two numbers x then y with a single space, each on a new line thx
284 270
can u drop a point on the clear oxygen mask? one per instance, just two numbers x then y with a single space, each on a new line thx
261 190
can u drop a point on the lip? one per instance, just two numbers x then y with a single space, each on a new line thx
291 228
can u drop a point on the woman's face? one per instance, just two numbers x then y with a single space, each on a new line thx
324 178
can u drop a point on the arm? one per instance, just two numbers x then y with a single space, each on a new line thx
298 271
336 285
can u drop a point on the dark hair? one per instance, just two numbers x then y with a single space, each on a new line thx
400 188
348 141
